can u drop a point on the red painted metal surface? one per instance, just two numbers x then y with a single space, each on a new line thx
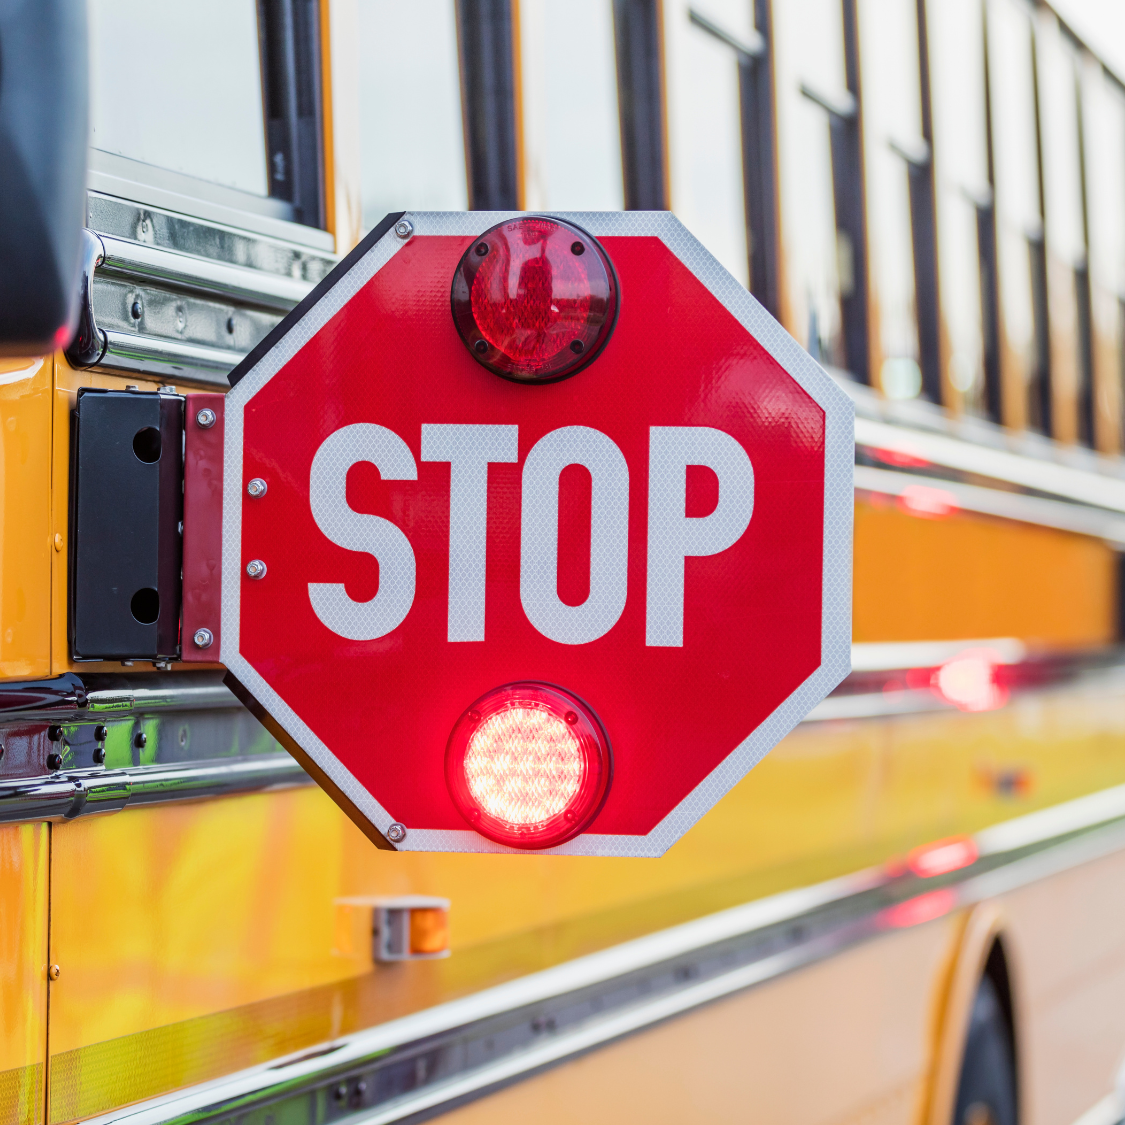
203 527
392 357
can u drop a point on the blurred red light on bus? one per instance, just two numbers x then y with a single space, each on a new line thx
535 299
968 680
927 502
943 856
528 765
917 911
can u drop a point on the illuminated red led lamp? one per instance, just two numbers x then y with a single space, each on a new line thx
535 299
529 765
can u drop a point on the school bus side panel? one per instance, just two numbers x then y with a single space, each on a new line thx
23 971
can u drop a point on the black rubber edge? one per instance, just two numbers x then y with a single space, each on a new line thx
293 317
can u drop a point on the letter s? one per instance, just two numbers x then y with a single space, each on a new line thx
358 531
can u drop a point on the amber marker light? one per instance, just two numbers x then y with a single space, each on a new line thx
528 765
535 299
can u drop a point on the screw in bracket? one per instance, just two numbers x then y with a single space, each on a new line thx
55 733
396 833
255 568
206 418
404 228
257 488
54 762
203 638
140 740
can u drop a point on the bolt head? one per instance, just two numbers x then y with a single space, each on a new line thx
99 755
206 418
55 733
54 972
203 638
396 833
54 761
257 487
140 740
101 733
404 228
255 568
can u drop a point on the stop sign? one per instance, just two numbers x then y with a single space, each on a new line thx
597 596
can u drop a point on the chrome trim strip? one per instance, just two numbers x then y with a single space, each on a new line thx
447 1054
876 705
69 794
1062 514
180 695
1044 475
202 275
155 355
890 656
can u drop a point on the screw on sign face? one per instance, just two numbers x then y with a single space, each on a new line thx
536 532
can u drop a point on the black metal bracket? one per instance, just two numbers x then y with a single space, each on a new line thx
126 512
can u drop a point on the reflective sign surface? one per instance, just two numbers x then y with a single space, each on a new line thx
666 534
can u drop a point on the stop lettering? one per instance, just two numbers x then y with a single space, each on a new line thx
555 542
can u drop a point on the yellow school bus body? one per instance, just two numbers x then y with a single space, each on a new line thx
157 949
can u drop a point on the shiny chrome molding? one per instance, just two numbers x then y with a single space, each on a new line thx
170 359
75 746
436 1059
70 794
185 298
202 275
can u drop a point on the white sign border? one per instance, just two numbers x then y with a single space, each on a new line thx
838 518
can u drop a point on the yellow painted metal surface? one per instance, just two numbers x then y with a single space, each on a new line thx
23 971
221 944
1066 940
25 528
974 576
845 1041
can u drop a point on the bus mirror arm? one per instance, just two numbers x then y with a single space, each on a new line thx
88 345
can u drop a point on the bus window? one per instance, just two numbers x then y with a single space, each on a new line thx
189 98
966 246
1024 357
415 80
895 150
1067 292
571 132
820 255
1103 118
705 123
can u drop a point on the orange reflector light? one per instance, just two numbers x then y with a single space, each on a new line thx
943 856
429 930
528 765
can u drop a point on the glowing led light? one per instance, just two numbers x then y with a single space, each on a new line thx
968 680
524 765
528 765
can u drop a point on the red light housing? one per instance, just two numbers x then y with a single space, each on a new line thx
535 299
528 765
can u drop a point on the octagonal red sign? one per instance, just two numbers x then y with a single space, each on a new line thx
664 537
